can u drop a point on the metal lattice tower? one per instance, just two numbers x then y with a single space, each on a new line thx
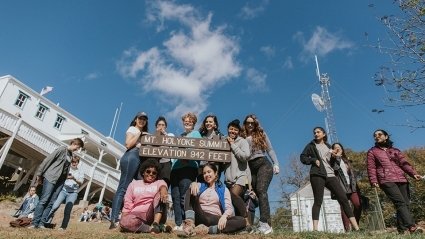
327 105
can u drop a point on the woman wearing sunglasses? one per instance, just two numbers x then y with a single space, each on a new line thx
261 168
386 168
145 201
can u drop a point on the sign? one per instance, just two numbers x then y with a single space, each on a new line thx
161 146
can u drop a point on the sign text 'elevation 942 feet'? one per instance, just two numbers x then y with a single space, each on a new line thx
160 146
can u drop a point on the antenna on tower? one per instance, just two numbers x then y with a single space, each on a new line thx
323 103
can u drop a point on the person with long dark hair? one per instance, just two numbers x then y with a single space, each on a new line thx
318 154
261 168
209 130
165 163
129 162
347 178
386 168
209 207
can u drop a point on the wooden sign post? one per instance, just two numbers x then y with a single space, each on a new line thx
161 146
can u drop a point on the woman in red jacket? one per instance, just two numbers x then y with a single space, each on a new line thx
386 168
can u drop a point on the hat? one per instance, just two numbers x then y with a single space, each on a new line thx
142 114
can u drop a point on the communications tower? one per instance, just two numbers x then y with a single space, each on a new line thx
323 104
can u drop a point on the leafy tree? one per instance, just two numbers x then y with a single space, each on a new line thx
403 77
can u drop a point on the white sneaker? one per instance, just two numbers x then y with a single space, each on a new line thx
264 228
178 228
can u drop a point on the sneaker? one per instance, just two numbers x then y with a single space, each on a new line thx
155 228
188 228
61 229
201 230
416 229
165 228
177 228
264 228
32 227
113 225
42 227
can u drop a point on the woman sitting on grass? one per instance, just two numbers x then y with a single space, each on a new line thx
209 206
144 201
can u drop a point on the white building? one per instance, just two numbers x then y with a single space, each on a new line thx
31 127
301 205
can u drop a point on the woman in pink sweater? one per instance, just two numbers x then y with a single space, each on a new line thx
144 201
209 207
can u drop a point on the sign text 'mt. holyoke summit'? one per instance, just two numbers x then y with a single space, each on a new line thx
161 146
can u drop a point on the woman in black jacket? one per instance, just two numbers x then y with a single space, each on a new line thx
318 154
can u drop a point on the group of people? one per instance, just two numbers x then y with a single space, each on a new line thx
386 167
202 202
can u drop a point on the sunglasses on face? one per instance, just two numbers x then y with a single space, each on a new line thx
151 172
378 134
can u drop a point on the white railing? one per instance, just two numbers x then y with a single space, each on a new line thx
47 144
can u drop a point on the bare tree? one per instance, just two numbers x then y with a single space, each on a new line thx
294 177
403 77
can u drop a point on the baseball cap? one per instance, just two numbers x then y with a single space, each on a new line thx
142 114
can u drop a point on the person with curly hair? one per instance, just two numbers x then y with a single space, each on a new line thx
144 201
261 168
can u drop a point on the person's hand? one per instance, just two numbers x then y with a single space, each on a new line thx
222 222
375 185
417 177
276 169
317 162
230 140
252 194
38 180
194 189
163 194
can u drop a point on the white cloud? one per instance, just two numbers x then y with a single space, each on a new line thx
268 51
189 65
92 76
256 81
249 11
321 43
288 64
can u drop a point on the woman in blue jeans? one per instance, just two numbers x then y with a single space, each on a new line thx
129 162
183 173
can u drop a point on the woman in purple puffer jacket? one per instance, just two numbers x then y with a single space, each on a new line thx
386 168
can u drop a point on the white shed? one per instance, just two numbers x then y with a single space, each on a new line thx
301 205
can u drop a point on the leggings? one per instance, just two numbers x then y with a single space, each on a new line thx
233 224
236 193
262 174
354 198
318 185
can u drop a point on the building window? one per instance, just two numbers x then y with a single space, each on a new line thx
59 122
84 132
41 111
22 98
103 144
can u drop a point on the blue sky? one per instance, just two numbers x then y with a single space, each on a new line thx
230 58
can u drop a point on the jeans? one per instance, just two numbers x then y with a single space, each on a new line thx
69 198
129 164
180 181
48 195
